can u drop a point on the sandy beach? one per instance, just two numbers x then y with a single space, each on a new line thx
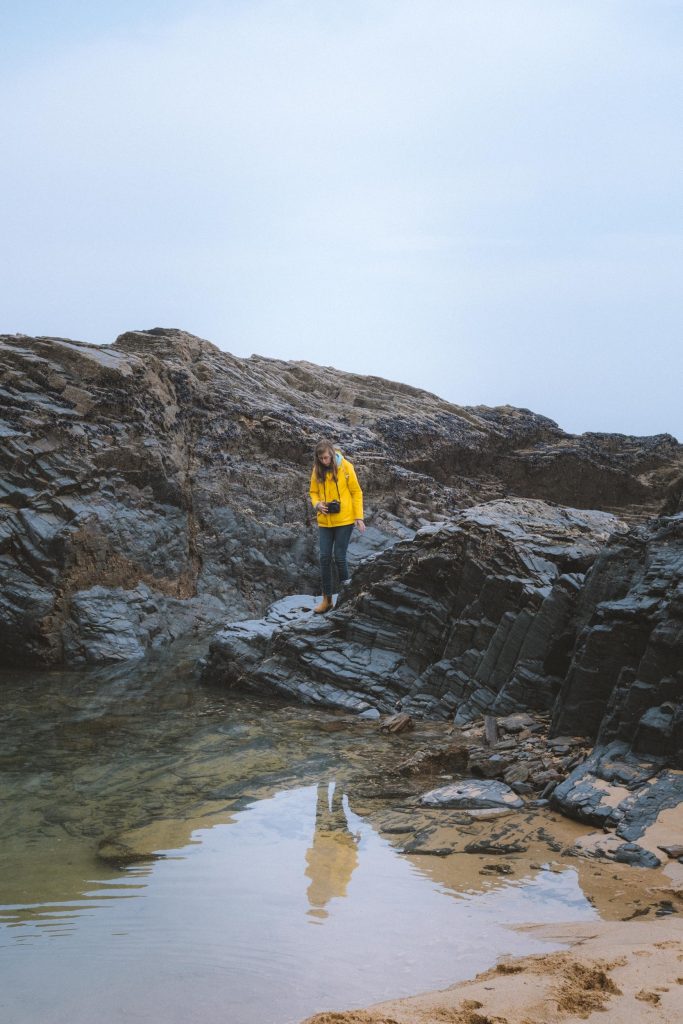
612 972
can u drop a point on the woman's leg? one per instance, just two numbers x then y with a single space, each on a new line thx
342 536
326 540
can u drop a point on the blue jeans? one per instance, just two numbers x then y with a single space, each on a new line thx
333 539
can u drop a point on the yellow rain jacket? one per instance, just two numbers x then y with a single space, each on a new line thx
346 490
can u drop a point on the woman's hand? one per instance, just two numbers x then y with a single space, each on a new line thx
361 525
321 507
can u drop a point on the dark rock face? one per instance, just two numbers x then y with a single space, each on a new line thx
625 681
624 687
482 616
159 485
462 618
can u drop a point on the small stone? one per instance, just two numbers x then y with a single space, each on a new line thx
397 723
565 741
516 723
675 852
546 793
548 776
491 766
488 846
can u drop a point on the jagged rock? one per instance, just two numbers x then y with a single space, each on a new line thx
155 461
399 722
453 620
656 731
611 847
631 853
625 679
506 745
491 730
516 773
473 794
616 789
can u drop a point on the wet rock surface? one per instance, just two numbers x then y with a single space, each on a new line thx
158 485
473 794
480 617
157 488
465 617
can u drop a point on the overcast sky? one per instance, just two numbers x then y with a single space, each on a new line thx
478 197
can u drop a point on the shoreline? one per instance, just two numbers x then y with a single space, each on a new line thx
625 965
615 972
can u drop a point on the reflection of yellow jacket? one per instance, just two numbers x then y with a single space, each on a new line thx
345 490
330 861
332 857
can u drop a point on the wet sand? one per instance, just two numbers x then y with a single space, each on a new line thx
622 969
612 972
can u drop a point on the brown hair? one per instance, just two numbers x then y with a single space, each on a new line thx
318 468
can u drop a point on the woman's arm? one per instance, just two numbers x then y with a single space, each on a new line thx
356 495
314 493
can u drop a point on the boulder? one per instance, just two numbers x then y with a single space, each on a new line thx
473 794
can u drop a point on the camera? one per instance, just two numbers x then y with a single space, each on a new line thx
333 507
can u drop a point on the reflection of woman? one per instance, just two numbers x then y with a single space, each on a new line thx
337 498
333 855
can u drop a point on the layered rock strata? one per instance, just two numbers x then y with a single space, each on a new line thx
466 617
158 485
514 604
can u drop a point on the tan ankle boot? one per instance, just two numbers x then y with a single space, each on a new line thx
324 605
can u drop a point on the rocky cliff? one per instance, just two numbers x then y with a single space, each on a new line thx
159 486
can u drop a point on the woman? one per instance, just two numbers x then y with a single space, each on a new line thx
337 498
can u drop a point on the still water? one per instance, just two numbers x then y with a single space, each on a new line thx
266 880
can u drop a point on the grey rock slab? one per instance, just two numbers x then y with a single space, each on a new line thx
473 794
